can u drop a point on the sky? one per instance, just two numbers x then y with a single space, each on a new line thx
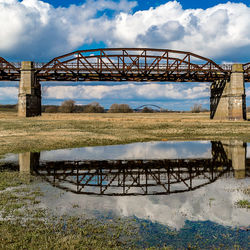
41 30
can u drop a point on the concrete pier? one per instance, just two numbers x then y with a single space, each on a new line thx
236 152
27 161
228 99
29 97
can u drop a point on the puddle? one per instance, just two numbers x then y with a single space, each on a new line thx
186 188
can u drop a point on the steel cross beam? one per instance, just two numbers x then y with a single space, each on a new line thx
133 177
125 64
8 71
131 64
246 68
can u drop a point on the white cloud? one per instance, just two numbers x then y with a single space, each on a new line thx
214 202
129 91
173 96
147 150
216 32
36 30
8 93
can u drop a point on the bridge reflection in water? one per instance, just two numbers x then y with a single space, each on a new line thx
140 177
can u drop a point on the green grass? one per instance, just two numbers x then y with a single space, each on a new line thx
67 233
10 179
24 225
243 204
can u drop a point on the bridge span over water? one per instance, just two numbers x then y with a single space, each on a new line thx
133 64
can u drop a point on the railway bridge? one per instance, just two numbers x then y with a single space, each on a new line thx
227 98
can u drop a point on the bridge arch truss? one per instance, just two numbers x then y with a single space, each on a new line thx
132 64
125 64
148 106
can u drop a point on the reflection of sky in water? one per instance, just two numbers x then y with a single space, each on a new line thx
145 150
9 158
214 202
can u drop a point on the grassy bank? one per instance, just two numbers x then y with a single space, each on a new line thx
51 131
24 225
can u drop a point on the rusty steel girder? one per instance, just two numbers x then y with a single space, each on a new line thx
132 64
132 177
136 177
8 72
126 64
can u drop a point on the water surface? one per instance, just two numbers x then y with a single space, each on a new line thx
180 193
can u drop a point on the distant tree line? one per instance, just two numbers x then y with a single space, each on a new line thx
70 106
8 107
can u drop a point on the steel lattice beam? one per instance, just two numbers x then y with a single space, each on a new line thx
123 177
8 72
131 64
126 64
247 71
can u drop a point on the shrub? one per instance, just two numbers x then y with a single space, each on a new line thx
120 108
197 108
67 106
93 107
79 109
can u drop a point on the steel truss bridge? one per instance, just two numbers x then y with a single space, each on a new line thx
148 106
137 177
115 178
134 177
125 64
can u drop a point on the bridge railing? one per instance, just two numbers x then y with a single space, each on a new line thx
97 66
120 67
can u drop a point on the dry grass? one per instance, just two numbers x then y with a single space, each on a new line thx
51 131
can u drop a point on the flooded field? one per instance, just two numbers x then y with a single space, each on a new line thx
177 194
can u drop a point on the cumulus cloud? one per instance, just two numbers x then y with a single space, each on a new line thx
170 210
129 91
36 30
222 31
172 96
8 93
146 150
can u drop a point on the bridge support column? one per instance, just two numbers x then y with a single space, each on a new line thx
29 98
228 99
236 152
28 161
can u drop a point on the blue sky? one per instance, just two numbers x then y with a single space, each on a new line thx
41 30
146 4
